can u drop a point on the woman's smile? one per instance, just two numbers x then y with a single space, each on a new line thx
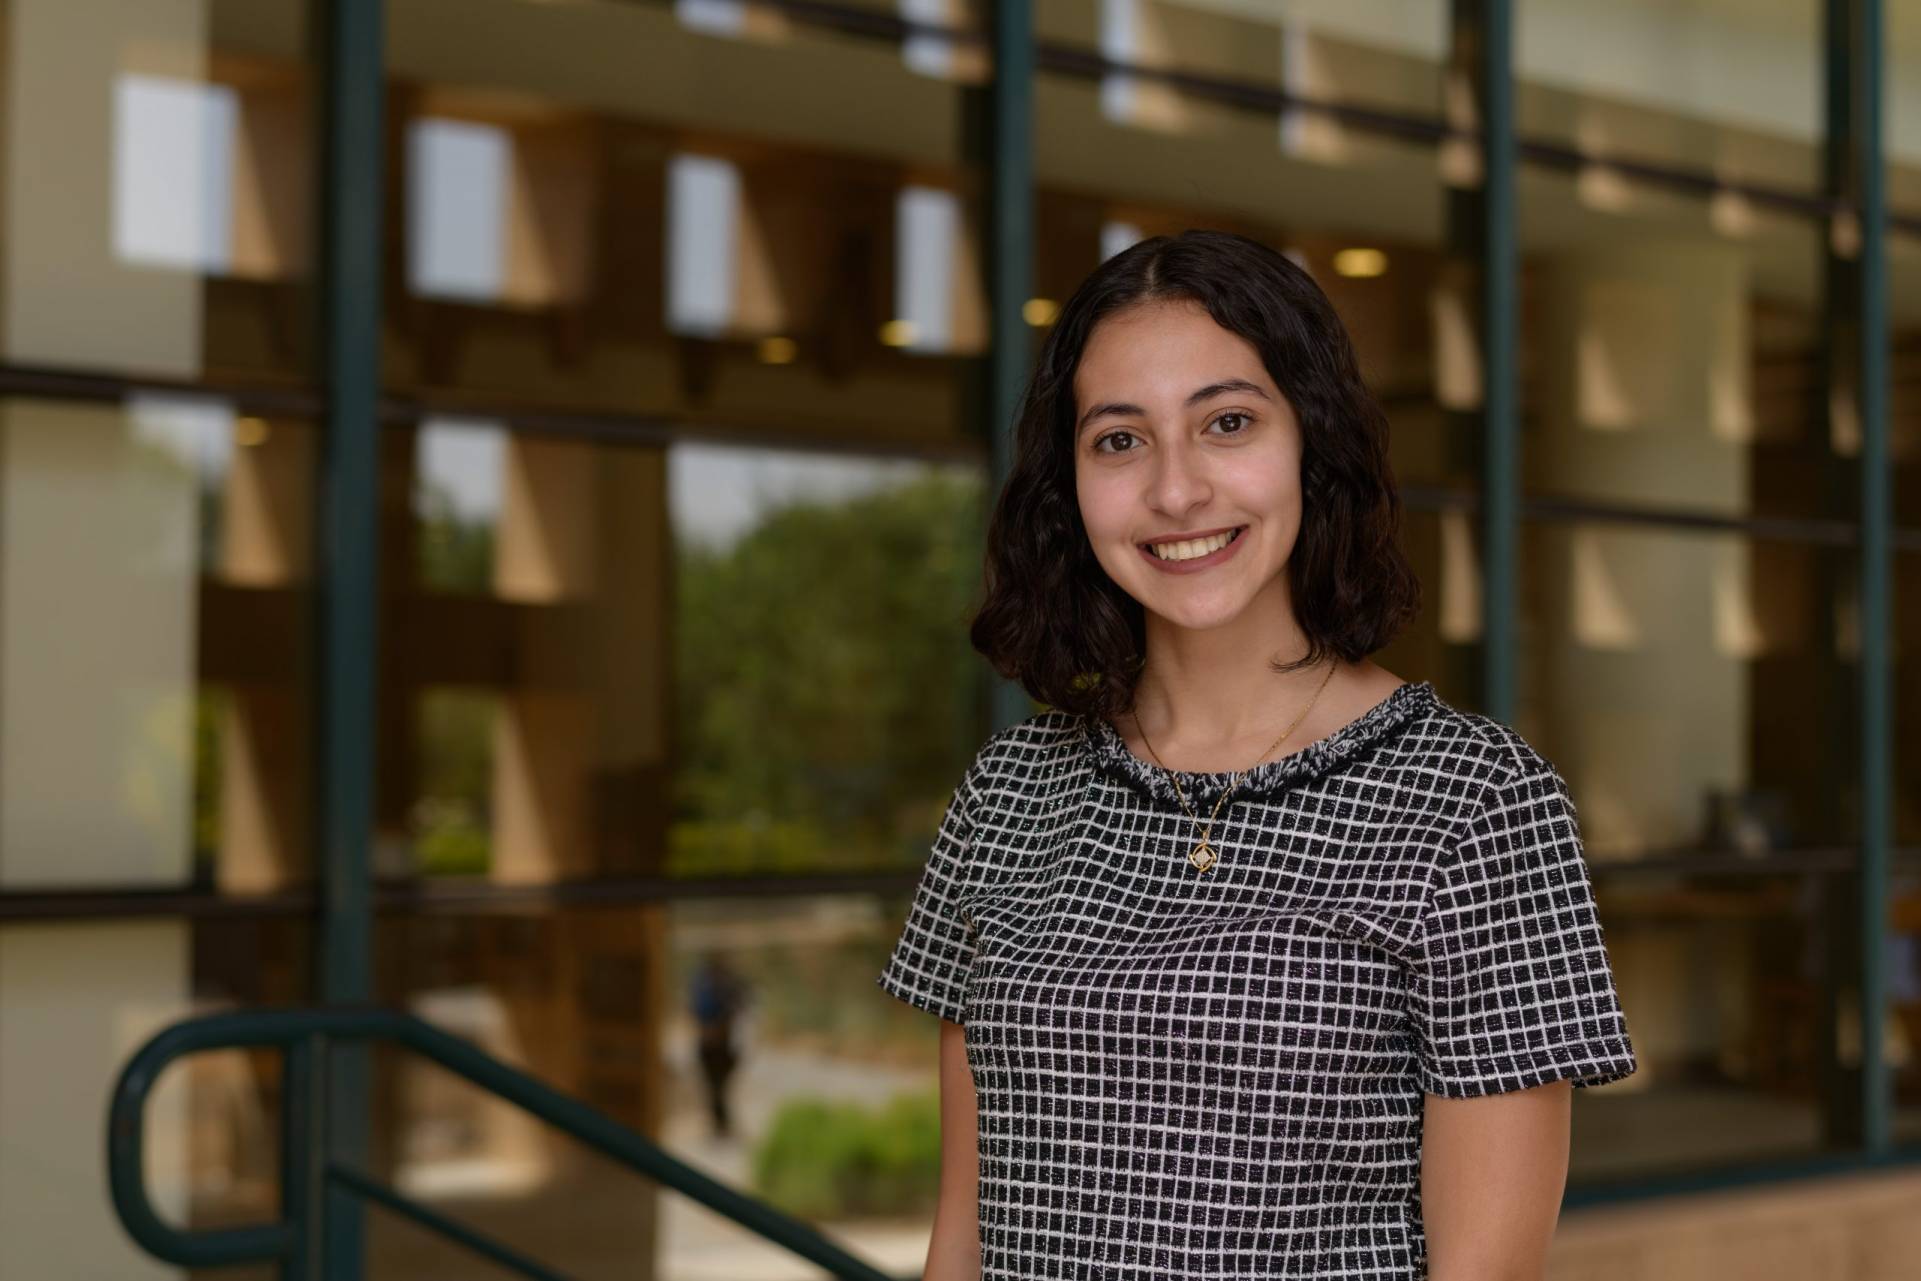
1179 557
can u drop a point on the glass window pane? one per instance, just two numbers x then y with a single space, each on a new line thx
1692 687
1725 981
624 239
156 735
797 618
156 556
155 711
1903 976
826 694
1902 127
1902 104
1674 255
830 1099
1672 359
160 180
1682 680
525 709
79 998
1665 86
1903 1031
827 1095
677 576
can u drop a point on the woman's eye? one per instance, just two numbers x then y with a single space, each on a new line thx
1241 420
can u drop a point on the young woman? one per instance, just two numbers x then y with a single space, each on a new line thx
1256 960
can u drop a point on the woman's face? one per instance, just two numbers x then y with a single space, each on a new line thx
1181 437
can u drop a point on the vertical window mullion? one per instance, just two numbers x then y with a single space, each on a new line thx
1009 138
1869 357
351 144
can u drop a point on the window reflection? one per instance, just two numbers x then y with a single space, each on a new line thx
832 1109
637 246
523 709
173 172
830 1100
825 696
142 740
1904 998
703 196
1662 664
929 288
460 476
457 174
160 193
1723 982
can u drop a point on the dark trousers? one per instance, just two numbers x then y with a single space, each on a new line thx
717 1063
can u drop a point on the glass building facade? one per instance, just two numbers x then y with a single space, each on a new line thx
490 493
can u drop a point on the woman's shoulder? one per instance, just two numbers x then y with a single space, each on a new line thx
1018 755
1471 758
1474 744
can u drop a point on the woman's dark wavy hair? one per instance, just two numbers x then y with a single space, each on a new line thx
1052 619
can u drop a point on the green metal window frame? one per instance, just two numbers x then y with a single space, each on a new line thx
350 62
1858 310
351 66
348 40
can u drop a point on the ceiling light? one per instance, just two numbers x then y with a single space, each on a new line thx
1360 263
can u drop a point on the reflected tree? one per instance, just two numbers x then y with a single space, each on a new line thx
827 691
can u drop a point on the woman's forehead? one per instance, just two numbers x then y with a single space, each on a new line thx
1163 351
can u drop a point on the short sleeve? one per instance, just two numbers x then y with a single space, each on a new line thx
930 961
1511 982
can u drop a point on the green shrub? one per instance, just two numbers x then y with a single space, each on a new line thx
731 847
823 1160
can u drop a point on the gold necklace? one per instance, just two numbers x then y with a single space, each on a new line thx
1202 856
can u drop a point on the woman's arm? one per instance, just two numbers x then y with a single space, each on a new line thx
1493 1170
954 1251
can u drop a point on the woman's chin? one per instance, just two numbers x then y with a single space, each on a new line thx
1195 616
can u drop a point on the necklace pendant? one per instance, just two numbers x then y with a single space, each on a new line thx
1202 856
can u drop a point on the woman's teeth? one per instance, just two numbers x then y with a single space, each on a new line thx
1194 546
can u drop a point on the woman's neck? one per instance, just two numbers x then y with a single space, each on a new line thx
1209 700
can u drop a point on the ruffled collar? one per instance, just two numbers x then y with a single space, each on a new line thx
1110 753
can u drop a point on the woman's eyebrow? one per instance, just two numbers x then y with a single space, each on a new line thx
1208 392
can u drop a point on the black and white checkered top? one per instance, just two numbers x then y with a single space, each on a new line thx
1221 1074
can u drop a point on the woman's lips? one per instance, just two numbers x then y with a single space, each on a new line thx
1199 563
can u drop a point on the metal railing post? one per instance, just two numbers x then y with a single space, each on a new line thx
303 1102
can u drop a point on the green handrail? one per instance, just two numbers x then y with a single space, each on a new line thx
296 1241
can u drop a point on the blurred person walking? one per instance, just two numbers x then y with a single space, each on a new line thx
716 997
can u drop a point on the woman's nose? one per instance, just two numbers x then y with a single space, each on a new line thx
1180 479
